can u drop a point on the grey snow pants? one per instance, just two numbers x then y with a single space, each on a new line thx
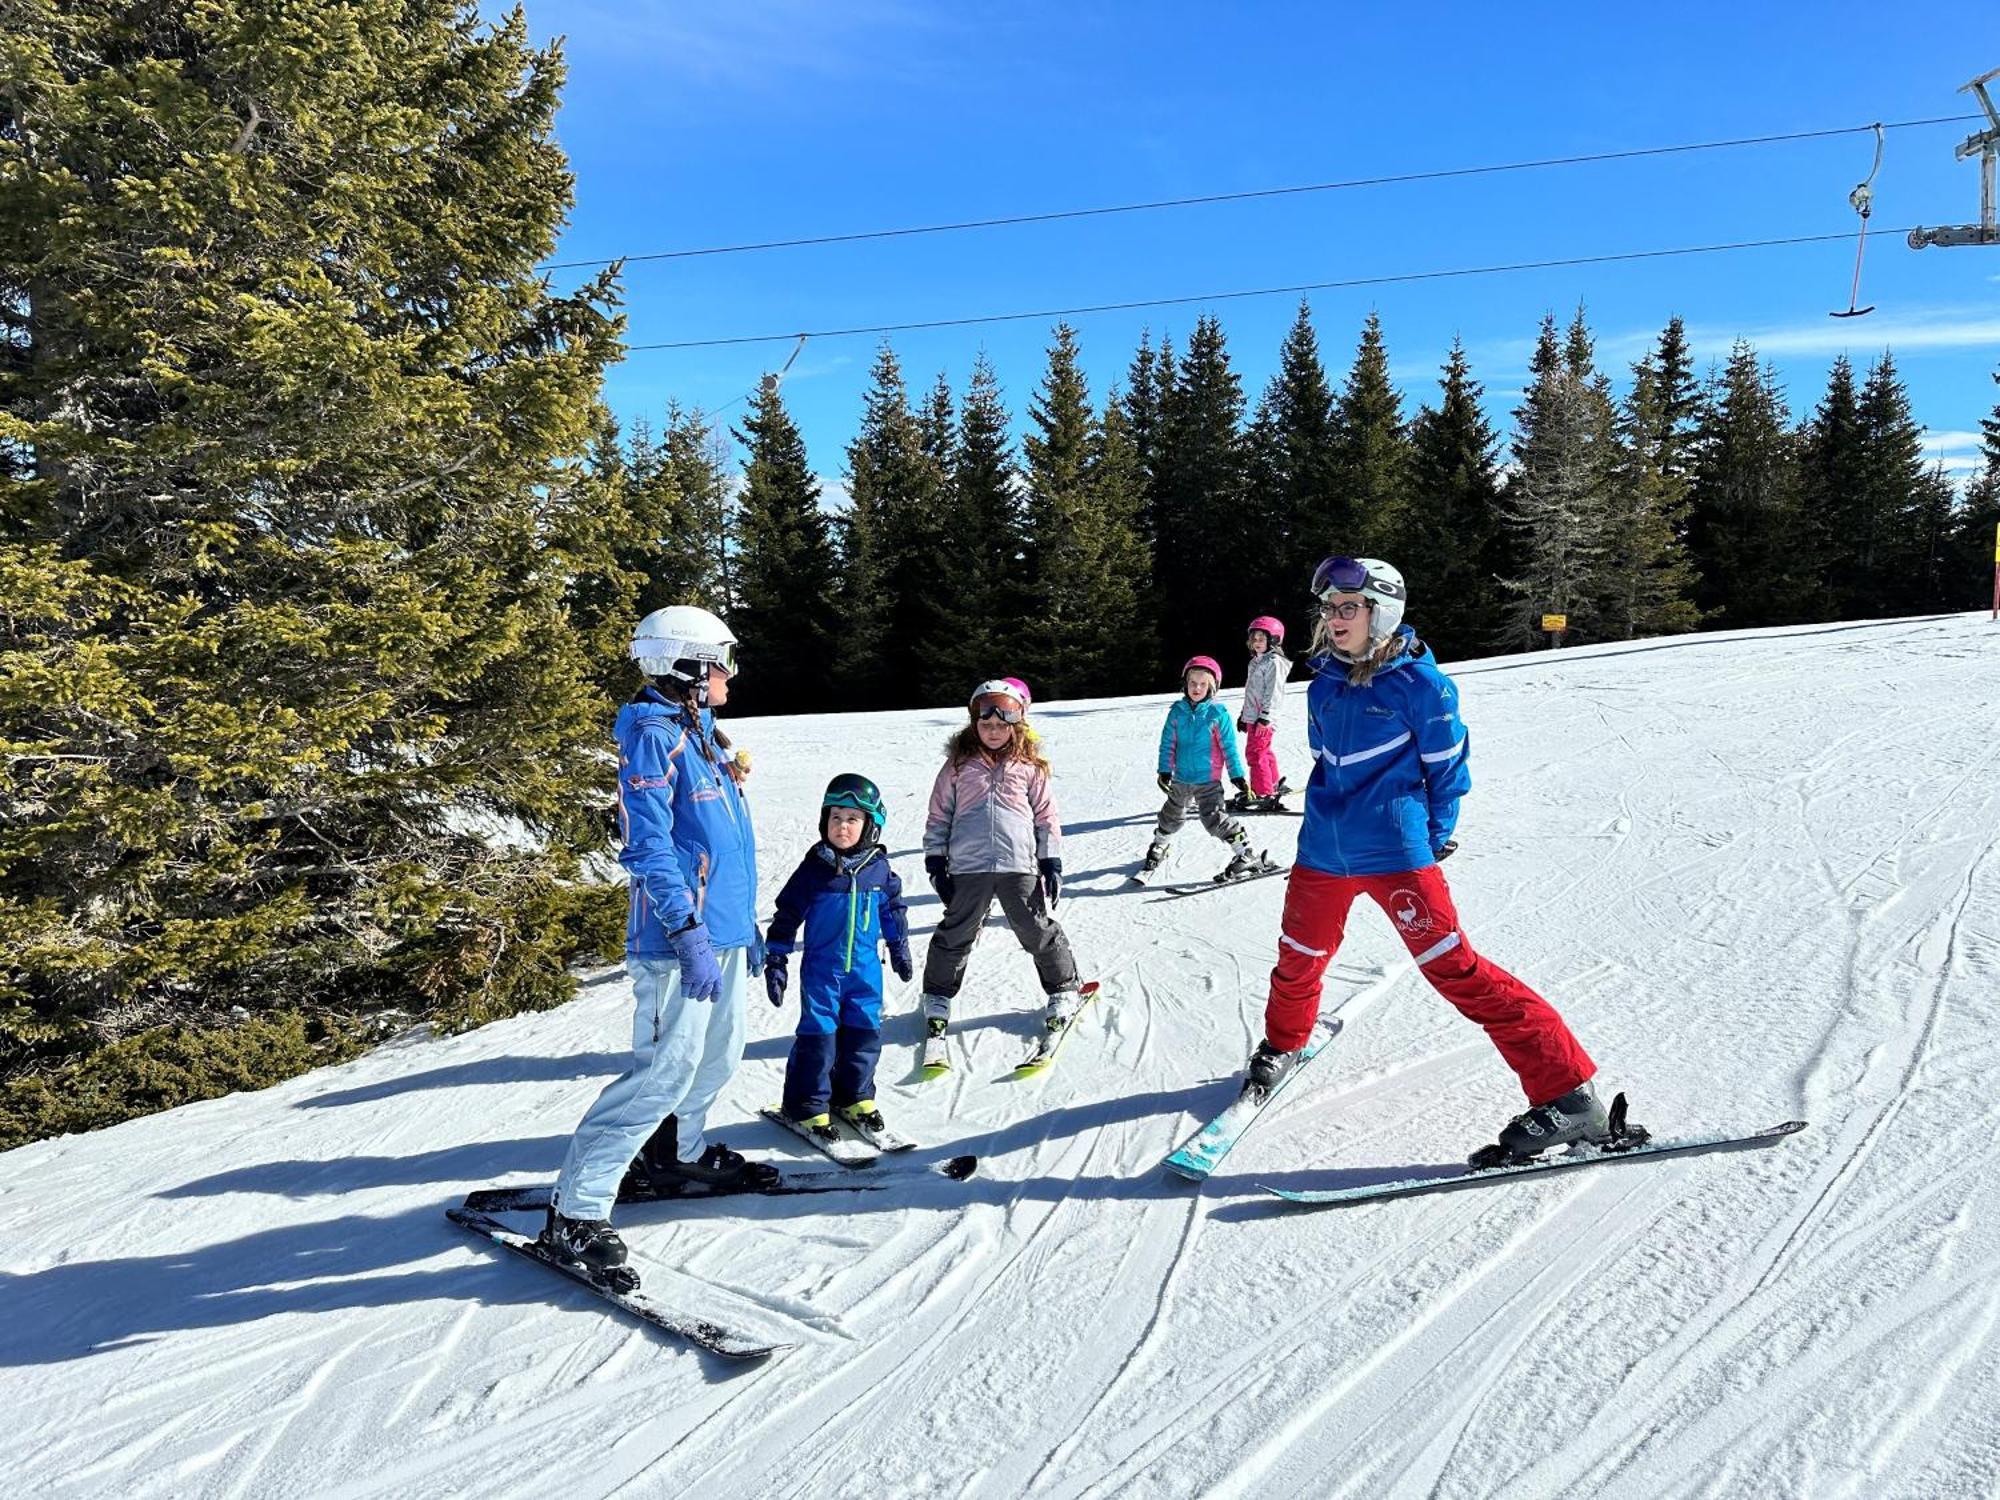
1207 799
1027 913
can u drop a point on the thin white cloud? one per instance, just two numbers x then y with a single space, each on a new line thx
1959 452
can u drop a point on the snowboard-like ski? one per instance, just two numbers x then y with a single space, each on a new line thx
535 1199
1197 887
629 1299
1049 1043
1642 1149
1199 1154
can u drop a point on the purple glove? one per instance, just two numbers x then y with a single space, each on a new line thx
777 974
701 975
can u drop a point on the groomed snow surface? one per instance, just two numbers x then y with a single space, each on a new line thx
1756 871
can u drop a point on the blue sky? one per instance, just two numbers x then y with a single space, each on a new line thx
700 123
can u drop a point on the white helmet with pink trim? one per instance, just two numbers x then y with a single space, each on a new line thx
1002 687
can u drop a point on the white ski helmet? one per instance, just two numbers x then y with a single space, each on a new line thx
1376 581
681 643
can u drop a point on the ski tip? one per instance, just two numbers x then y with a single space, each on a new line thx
960 1167
1186 1171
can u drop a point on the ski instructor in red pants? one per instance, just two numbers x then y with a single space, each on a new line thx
1389 767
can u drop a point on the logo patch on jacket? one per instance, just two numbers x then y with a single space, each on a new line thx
1376 710
647 783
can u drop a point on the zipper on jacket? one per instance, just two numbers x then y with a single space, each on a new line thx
853 888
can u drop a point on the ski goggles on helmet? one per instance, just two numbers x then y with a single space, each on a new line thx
1001 709
1339 575
860 794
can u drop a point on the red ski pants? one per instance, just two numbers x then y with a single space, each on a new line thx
1532 1038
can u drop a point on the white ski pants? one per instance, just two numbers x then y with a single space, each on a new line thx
683 1052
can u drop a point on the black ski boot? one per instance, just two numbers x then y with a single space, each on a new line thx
1243 861
1156 855
1269 1067
591 1244
655 1172
720 1167
1575 1116
1242 802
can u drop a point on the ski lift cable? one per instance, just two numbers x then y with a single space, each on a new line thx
1437 175
1293 289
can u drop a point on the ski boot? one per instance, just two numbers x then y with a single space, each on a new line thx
655 1172
1269 1067
1575 1116
591 1245
1242 861
820 1126
720 1167
1062 1008
866 1119
1156 855
1242 802
935 1059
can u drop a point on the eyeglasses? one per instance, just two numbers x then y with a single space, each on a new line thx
1002 712
1339 575
1344 609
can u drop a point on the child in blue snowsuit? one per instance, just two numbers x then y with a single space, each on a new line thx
848 901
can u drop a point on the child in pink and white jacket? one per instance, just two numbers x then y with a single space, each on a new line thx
1197 746
992 832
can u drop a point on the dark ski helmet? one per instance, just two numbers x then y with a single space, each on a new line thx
861 794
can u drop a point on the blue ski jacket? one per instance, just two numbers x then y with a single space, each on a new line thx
1389 765
848 904
1198 742
688 844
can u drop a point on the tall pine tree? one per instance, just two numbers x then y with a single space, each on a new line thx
291 424
1744 514
1207 565
1889 511
1830 495
1084 560
979 558
1371 451
1451 553
1649 578
1293 466
786 613
1558 503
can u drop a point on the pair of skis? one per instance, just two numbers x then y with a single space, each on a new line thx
935 1060
1203 1151
478 1212
850 1146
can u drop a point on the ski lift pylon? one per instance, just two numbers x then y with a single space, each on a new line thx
1984 144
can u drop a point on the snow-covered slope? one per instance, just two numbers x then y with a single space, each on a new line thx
1758 874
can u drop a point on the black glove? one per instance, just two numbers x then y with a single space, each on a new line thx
1444 850
899 958
1242 726
777 974
938 868
1241 783
1166 781
1051 880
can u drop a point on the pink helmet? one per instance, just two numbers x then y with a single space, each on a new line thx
1272 626
1027 698
1005 687
1206 664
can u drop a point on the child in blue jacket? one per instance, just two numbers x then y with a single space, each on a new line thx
848 902
1197 746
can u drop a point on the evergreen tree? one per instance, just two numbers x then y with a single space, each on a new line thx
980 564
1936 520
1207 572
1976 533
1889 512
1371 451
895 535
1745 516
1451 554
1294 466
1831 490
1558 502
1084 561
1649 579
291 428
786 613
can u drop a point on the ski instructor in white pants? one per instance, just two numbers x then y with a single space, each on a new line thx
691 941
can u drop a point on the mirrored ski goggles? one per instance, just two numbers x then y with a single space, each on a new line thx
1002 709
1339 575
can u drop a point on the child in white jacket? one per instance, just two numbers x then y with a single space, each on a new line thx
1263 696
